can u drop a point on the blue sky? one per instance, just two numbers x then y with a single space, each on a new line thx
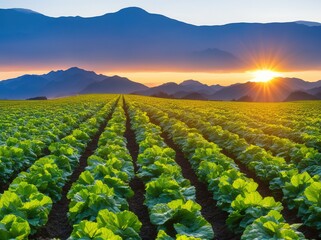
199 12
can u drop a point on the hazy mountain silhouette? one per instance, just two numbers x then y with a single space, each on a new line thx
114 84
194 96
78 81
300 96
182 89
277 89
310 24
22 87
245 99
193 85
65 83
69 82
135 39
315 90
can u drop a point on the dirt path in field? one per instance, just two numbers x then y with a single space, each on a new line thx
45 152
58 225
136 203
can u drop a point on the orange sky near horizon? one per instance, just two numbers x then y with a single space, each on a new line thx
157 78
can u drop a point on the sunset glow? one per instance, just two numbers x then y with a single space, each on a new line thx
264 75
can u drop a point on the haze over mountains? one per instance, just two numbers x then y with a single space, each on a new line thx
78 81
135 39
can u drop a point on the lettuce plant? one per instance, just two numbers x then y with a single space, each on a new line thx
166 189
185 217
87 230
125 224
272 226
86 203
247 208
162 235
25 201
13 227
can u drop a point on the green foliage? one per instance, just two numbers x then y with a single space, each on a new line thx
162 235
46 176
24 200
155 153
231 184
185 217
247 208
272 226
311 209
86 203
125 224
293 190
13 227
166 189
87 230
164 167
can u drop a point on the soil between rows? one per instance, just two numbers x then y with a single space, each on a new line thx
58 225
136 203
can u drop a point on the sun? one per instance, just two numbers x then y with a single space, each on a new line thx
264 75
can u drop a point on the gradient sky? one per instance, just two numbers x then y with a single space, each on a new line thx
198 12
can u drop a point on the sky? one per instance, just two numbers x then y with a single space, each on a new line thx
197 12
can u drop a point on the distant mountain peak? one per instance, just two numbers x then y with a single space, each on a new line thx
75 69
132 10
65 83
309 24
300 96
190 82
24 10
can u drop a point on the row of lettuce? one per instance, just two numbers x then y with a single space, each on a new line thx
306 159
301 190
25 207
169 197
249 213
298 130
299 122
27 128
99 206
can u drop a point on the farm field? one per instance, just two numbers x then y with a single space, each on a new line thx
131 167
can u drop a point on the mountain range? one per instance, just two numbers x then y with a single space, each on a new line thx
134 39
65 83
276 90
79 81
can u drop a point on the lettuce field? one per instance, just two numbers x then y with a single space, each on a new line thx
132 167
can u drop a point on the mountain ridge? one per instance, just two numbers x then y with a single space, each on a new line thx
135 39
134 9
79 81
59 83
